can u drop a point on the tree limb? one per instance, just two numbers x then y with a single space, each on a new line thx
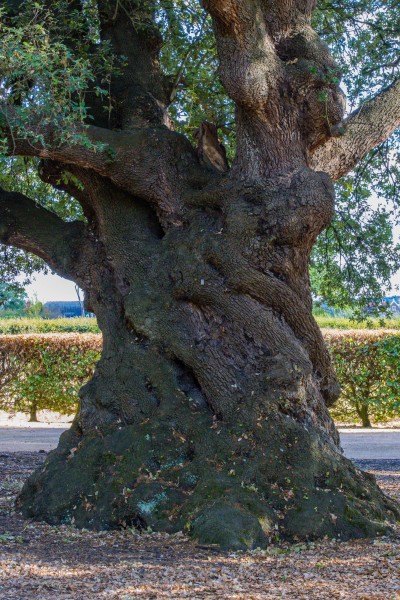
248 60
53 172
155 164
28 226
371 124
138 90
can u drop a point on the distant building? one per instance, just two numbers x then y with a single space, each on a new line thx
393 303
395 307
61 309
388 304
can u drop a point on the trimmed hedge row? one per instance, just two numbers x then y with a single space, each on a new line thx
367 364
45 371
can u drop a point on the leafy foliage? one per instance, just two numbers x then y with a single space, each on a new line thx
38 372
355 258
12 297
368 367
13 262
55 67
45 76
189 56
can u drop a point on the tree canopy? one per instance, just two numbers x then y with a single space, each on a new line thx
56 67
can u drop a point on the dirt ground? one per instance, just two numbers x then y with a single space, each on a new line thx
42 561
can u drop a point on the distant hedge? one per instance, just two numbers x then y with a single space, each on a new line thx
20 325
367 364
45 371
39 325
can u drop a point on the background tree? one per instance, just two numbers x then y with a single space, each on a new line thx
12 297
208 407
44 373
355 256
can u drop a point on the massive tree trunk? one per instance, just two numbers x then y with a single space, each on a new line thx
208 409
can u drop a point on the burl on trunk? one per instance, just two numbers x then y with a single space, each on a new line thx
208 409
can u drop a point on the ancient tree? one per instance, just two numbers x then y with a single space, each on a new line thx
208 410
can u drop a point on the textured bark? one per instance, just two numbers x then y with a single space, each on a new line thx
208 408
27 225
140 94
364 129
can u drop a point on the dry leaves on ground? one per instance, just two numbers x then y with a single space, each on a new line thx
42 561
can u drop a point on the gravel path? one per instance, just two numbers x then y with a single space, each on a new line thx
26 439
367 444
51 562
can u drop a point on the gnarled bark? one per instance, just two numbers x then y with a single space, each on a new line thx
208 408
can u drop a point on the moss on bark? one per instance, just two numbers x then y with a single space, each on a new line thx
218 481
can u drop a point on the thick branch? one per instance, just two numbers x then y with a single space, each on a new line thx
283 14
276 69
155 164
365 128
25 224
248 61
54 173
138 91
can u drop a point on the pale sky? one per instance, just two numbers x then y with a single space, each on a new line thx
51 287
